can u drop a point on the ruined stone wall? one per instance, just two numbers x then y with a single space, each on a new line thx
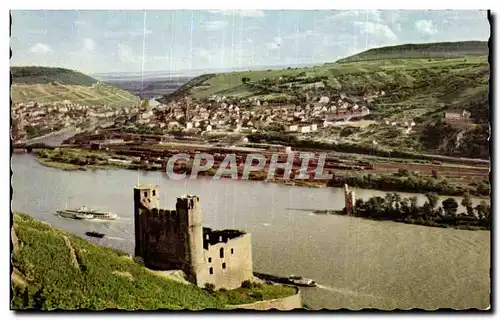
165 240
230 263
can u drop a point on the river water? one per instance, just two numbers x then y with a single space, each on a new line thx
358 263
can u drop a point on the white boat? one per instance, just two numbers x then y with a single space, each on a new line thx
85 213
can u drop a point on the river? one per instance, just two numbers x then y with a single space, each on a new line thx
358 263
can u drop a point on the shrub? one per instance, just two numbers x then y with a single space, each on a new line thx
209 287
139 260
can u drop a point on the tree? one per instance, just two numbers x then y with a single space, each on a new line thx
435 174
403 173
467 203
245 79
432 199
413 204
396 197
450 207
483 210
389 201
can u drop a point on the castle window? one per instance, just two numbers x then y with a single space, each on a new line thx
224 265
211 270
232 251
221 252
154 193
145 193
209 259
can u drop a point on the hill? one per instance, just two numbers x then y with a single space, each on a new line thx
45 75
54 269
45 85
414 88
426 50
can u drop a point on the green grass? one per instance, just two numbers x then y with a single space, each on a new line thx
54 269
59 165
50 281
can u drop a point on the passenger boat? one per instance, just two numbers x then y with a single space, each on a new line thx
85 213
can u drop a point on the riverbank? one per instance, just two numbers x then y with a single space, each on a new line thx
402 181
410 182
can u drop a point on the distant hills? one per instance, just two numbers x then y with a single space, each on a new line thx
425 50
45 85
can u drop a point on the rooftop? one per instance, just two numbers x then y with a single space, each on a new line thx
145 186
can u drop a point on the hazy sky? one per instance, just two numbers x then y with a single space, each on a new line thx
131 41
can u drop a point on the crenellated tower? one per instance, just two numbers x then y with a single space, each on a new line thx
146 197
188 209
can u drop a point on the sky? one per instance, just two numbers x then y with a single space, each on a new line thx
136 41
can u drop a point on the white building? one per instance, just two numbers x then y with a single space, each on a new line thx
305 129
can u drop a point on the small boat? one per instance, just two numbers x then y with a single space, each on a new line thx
94 234
299 281
85 213
292 279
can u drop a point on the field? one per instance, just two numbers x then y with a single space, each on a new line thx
46 85
97 94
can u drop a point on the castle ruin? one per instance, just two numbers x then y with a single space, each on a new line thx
177 240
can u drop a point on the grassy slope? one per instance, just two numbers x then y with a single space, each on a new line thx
41 84
426 50
46 276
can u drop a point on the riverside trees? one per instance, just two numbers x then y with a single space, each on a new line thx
396 208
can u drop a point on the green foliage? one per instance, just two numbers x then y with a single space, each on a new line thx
209 287
36 131
432 199
53 283
394 207
104 277
409 183
77 157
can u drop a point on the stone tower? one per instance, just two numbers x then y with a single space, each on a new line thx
188 209
146 197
